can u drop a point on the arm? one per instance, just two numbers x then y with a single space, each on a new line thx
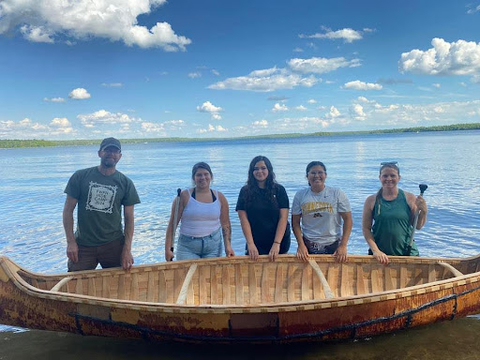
367 230
127 258
169 235
302 252
341 252
72 247
226 226
418 203
247 232
279 233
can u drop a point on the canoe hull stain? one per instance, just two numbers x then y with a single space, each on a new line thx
237 300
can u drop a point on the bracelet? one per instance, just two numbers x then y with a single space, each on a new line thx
275 242
171 249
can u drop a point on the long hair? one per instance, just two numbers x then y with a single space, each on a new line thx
270 183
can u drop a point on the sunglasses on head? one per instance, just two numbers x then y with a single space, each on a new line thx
389 163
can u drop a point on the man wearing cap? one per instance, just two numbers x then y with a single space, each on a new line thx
100 193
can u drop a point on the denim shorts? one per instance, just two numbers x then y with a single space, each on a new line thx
190 247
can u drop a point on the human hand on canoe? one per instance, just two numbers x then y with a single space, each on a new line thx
274 251
302 252
381 257
228 251
127 259
253 252
340 254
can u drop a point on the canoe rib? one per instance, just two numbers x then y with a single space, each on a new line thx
450 268
188 279
62 282
323 280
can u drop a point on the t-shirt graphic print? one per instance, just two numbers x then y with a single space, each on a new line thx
101 197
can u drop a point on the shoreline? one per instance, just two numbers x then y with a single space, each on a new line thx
33 143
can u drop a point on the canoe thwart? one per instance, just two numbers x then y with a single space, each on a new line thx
326 288
450 268
62 282
182 296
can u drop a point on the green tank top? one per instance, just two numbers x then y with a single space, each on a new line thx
391 228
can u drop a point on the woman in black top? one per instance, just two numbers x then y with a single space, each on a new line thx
262 207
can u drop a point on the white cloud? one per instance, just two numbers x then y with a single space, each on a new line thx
408 115
211 129
117 20
60 122
358 113
312 101
279 107
473 10
475 79
112 84
347 35
215 72
301 108
103 117
334 113
208 107
265 81
28 129
456 58
36 33
57 99
321 65
304 124
260 124
160 129
194 75
360 85
436 85
62 125
79 94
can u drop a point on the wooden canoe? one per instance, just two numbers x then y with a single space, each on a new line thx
230 300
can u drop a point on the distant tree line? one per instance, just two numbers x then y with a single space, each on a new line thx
8 144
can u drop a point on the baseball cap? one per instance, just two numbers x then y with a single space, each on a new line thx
110 142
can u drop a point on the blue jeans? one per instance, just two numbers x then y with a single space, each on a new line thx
190 247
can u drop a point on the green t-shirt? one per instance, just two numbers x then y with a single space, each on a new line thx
391 228
99 209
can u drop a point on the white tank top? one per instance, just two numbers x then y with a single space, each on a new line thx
200 219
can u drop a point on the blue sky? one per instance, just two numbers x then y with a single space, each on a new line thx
87 69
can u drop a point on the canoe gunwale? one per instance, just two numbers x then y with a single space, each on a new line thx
12 270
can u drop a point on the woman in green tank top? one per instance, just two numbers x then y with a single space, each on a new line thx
388 216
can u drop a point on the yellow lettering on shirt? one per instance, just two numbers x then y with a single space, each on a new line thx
317 206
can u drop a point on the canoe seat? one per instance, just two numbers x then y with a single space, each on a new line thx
450 268
62 282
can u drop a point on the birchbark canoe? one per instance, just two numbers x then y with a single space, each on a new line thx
234 300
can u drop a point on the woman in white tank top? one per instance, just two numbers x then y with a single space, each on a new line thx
201 212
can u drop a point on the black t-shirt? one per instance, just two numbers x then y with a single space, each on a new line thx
263 216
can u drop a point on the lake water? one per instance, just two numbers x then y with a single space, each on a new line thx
33 180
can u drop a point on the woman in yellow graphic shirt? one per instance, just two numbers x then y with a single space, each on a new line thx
321 216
